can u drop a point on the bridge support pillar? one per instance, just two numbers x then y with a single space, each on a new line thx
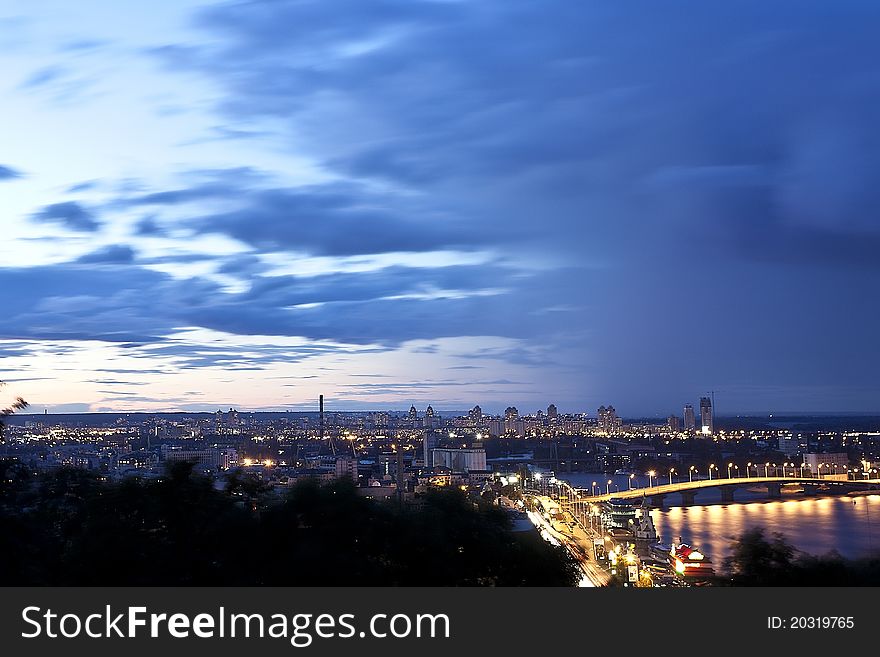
727 493
774 491
657 500
687 497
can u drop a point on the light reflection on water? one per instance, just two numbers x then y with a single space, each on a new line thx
814 525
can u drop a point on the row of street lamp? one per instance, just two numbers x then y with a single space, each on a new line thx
731 467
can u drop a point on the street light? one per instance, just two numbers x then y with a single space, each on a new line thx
651 475
711 465
671 471
593 489
729 466
691 471
608 487
766 468
748 469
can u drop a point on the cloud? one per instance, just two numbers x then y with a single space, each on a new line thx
688 191
114 254
69 214
332 219
44 76
561 127
142 310
83 186
8 173
149 227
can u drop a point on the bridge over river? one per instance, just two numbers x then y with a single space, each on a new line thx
688 490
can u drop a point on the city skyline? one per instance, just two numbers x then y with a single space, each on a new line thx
446 202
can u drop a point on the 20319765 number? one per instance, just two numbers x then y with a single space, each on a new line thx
811 623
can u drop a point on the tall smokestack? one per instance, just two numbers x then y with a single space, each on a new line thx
321 416
399 472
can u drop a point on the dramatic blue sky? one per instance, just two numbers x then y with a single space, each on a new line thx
440 201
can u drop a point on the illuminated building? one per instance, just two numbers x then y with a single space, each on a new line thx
608 421
706 423
690 421
827 464
347 466
212 458
460 460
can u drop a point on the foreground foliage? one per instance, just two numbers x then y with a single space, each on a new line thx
70 528
757 560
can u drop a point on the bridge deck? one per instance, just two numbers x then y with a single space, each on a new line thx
685 486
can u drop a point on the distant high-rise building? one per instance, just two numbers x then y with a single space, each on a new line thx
347 466
413 413
510 413
431 421
476 415
707 426
429 442
673 423
690 420
608 420
460 460
552 412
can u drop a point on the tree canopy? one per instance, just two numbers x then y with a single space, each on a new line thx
757 560
70 528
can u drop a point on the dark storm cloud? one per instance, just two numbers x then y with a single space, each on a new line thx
327 222
149 227
69 214
115 254
547 107
709 156
283 291
88 302
104 296
8 173
712 168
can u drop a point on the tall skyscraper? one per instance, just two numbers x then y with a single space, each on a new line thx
706 425
476 415
607 419
673 423
690 421
552 412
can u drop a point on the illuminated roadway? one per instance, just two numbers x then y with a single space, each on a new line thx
576 541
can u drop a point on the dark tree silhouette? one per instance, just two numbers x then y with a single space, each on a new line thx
70 528
756 560
18 405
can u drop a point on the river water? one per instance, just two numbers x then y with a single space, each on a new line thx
850 525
